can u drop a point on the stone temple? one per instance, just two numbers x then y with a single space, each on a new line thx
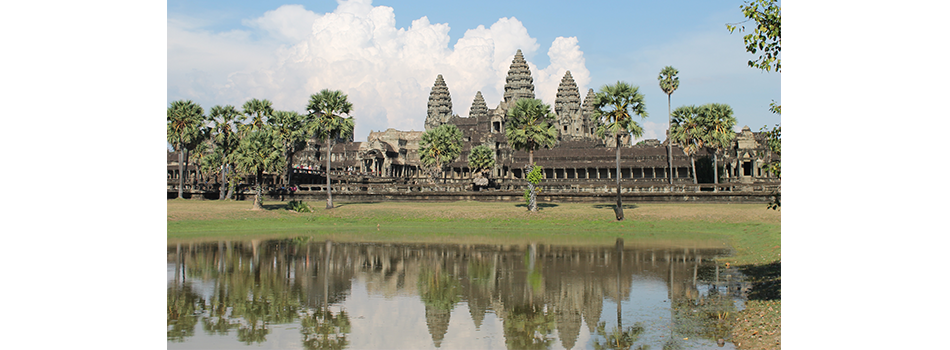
579 161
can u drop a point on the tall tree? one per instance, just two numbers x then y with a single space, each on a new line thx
184 121
767 35
258 152
290 128
614 108
531 126
688 131
225 139
327 108
718 121
258 111
767 38
440 146
669 82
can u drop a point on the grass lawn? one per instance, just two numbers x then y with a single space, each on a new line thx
752 230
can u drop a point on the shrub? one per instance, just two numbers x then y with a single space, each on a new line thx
299 206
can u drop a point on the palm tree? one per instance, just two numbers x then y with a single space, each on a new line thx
614 108
481 158
258 151
290 130
669 82
530 127
440 146
257 111
225 140
184 120
327 108
718 121
688 132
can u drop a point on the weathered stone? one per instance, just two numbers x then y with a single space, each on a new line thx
519 83
440 105
479 108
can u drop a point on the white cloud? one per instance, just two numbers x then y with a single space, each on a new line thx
387 72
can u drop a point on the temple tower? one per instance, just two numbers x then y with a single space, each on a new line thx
519 83
567 106
479 108
440 104
587 110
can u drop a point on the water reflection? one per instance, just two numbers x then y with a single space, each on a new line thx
323 295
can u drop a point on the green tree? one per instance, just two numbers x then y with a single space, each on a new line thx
258 152
481 158
184 123
290 128
767 35
614 108
669 82
327 108
440 146
225 137
718 121
257 112
767 38
688 131
531 126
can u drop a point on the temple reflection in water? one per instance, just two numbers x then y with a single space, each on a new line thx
373 295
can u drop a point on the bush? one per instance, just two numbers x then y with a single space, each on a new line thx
299 206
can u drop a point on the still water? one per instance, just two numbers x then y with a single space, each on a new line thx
306 294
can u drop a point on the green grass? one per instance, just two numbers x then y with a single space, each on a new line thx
751 229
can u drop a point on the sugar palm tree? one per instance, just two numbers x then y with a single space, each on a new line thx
669 82
614 108
688 131
225 140
258 152
327 109
530 127
258 111
291 130
440 146
718 121
481 158
184 121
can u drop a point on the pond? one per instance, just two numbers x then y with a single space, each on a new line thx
308 294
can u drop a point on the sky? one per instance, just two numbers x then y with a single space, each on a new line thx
386 55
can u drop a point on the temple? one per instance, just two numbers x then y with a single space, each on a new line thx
579 161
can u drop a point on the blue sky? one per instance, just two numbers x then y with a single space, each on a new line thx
386 54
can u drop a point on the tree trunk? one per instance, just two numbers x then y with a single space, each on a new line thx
329 191
619 209
693 163
669 141
224 181
258 192
532 191
715 172
187 155
181 171
290 170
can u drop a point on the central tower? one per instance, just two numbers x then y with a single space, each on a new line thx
519 83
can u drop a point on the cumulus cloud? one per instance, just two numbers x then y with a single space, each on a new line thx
387 72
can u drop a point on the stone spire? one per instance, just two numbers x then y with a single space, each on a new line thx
479 108
440 104
519 83
587 110
568 100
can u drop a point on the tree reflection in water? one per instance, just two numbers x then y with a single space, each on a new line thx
539 294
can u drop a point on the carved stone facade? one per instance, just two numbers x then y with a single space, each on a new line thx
440 104
519 83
